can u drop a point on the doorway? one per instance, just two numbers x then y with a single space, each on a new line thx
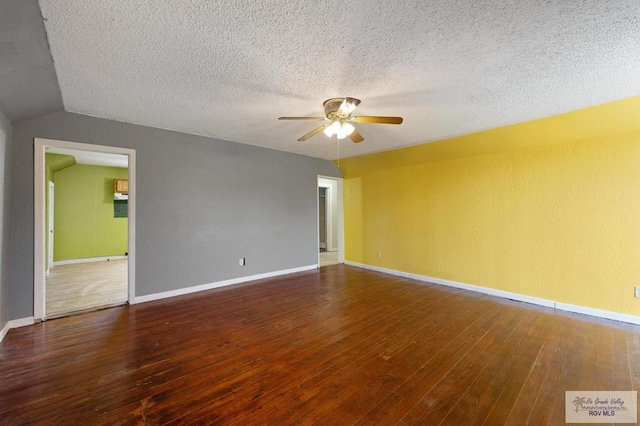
330 221
69 274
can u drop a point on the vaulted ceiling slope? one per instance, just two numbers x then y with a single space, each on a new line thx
28 84
228 69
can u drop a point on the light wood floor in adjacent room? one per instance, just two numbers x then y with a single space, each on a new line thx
328 258
333 346
84 286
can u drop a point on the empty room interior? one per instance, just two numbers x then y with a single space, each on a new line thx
289 212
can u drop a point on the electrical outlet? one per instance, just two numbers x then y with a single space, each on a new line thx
242 261
637 291
378 254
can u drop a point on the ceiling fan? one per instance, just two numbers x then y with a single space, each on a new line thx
338 112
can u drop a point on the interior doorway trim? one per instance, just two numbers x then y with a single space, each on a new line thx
340 213
39 278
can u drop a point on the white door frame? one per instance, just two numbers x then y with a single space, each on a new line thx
340 218
49 231
327 218
39 250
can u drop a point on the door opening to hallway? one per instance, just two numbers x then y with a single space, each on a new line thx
330 239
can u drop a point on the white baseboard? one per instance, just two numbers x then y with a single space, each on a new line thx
203 287
4 331
615 316
507 295
88 260
21 322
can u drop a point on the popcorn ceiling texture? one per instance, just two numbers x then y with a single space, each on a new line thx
227 69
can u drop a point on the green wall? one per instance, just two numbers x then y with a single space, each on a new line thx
84 225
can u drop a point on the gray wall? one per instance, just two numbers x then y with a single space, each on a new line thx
28 83
5 170
201 205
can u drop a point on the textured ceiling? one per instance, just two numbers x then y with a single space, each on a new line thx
228 69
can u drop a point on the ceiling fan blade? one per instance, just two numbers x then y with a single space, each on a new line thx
377 119
356 137
312 133
302 118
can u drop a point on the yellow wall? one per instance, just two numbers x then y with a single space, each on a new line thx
548 208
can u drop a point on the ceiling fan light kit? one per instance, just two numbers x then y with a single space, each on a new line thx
338 112
340 129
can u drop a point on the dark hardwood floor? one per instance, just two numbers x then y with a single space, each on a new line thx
339 346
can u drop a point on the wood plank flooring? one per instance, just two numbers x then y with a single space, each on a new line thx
85 286
336 346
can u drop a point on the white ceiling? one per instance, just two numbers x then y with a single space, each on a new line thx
93 158
228 69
